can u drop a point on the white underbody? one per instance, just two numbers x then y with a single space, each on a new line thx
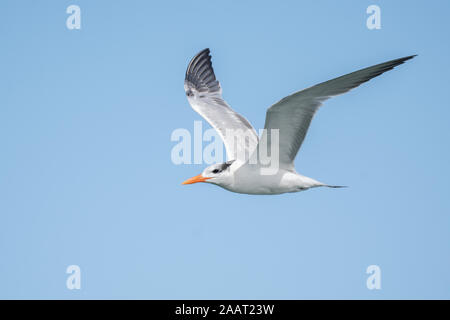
249 180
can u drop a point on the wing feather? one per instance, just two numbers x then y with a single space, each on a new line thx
292 115
204 94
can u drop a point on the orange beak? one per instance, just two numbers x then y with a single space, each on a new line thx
196 179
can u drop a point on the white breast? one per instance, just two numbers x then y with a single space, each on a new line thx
249 180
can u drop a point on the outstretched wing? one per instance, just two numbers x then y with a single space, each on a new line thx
204 94
293 114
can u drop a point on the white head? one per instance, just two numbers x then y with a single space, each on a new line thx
218 173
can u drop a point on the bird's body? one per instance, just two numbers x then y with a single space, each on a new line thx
249 180
249 170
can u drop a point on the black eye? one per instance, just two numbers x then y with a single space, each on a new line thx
189 93
215 171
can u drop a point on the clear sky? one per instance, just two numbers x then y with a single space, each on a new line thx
86 176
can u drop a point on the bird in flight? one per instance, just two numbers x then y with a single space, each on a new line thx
287 122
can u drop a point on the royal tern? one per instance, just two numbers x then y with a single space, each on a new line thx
290 116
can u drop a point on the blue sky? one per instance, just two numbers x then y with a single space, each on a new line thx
86 176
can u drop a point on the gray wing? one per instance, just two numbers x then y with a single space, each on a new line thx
204 94
293 114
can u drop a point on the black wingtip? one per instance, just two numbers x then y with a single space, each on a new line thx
200 73
400 61
409 57
403 60
203 52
